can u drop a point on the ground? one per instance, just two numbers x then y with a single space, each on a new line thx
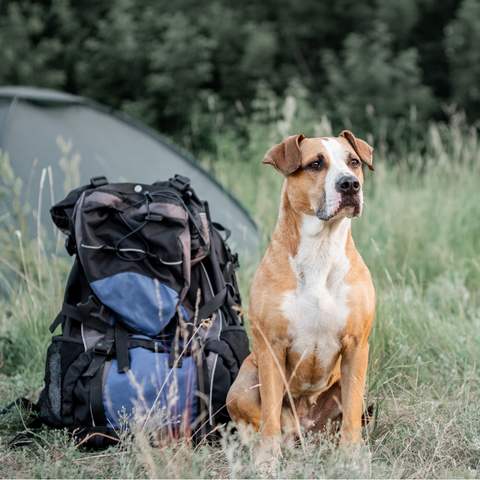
419 235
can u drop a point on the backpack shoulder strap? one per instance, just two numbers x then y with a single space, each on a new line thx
213 305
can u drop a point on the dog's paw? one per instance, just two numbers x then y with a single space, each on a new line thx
266 469
266 459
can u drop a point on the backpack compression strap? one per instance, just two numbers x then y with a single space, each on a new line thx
213 305
76 314
120 336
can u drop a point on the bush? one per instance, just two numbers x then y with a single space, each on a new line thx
367 78
161 61
464 56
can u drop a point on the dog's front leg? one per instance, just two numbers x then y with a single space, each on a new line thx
353 374
271 357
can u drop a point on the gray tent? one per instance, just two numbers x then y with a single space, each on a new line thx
109 143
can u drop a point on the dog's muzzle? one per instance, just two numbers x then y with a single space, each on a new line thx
348 199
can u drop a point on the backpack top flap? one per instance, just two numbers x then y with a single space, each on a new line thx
136 243
62 212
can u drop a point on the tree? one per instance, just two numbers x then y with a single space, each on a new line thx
161 61
367 72
463 52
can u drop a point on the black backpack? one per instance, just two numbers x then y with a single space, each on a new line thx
152 302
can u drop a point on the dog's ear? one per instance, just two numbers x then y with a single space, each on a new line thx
286 157
363 149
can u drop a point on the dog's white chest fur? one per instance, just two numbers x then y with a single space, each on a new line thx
318 307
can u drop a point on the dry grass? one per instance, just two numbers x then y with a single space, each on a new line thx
420 237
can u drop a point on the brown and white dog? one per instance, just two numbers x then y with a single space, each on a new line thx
312 300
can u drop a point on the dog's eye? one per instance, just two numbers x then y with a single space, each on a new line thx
354 162
315 165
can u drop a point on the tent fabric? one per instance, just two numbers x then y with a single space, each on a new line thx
109 143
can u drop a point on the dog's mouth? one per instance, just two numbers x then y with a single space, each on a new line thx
348 206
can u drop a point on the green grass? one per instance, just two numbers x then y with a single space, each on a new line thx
419 235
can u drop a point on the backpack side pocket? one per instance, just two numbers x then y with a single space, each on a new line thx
60 355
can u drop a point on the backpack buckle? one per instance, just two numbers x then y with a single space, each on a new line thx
180 183
89 305
104 346
231 289
98 181
232 266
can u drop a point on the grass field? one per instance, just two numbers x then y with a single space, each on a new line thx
419 235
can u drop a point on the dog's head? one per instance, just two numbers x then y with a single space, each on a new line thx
324 175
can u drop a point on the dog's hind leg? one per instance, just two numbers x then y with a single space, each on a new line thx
326 412
243 400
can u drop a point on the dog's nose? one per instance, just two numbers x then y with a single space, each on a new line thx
348 184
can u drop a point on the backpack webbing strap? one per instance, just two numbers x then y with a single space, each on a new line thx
94 437
230 303
121 347
175 351
20 402
24 438
228 232
146 344
96 398
56 322
102 349
193 289
97 362
203 399
76 314
212 305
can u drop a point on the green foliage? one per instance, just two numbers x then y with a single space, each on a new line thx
161 61
27 56
369 71
464 56
13 211
399 17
